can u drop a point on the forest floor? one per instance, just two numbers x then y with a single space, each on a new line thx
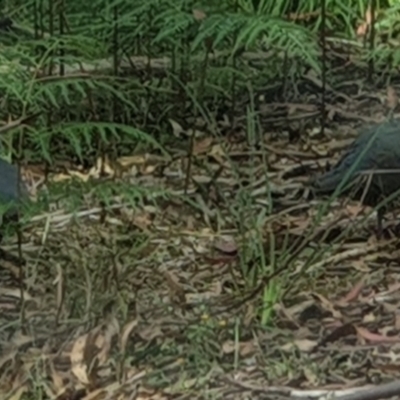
165 299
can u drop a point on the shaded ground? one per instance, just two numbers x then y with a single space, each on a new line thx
165 299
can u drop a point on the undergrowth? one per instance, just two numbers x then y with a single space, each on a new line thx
71 80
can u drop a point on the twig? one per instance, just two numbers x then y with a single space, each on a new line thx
384 391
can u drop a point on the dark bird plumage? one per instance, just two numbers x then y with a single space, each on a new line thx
10 194
377 173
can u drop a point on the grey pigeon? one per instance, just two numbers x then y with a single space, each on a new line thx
377 173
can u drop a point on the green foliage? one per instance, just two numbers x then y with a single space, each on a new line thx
102 30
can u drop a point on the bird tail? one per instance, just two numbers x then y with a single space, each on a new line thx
328 182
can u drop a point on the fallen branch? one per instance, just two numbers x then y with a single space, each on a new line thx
384 391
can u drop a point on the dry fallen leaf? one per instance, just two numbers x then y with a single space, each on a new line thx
151 332
177 129
244 348
199 15
376 337
392 99
176 291
202 146
327 305
364 27
226 245
78 366
353 210
305 345
353 294
82 355
126 332
17 395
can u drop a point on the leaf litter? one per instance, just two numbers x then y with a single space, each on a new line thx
159 301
